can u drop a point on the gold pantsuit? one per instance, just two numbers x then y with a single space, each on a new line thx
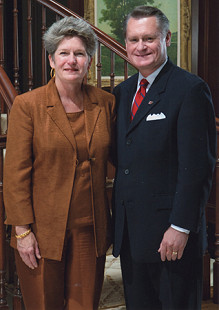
54 181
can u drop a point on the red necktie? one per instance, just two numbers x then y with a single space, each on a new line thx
139 97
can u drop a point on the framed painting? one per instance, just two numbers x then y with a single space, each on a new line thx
108 16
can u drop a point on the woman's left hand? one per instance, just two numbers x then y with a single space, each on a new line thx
28 249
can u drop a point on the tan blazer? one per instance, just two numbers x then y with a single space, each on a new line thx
41 158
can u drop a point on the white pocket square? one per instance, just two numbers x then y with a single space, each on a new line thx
154 117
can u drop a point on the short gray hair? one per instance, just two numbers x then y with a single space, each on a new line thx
148 11
70 26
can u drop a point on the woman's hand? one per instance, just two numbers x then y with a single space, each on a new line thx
28 247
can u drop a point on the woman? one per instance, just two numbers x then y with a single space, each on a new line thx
59 140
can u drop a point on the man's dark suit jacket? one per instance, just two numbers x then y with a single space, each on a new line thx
165 161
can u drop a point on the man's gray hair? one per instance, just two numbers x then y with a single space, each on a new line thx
70 26
148 11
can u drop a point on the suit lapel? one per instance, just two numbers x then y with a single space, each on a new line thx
129 91
152 97
91 113
57 113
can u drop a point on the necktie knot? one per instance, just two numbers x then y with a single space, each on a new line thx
144 83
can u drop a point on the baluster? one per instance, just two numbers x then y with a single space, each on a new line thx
30 52
216 262
3 295
16 49
206 294
99 65
44 67
10 262
112 71
2 59
125 69
17 296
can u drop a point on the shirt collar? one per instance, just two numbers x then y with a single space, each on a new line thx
150 78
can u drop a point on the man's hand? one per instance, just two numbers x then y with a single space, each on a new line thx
173 244
28 249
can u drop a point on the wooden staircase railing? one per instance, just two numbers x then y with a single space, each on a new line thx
212 218
216 226
7 95
33 62
7 90
103 38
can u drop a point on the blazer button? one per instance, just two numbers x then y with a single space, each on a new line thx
126 171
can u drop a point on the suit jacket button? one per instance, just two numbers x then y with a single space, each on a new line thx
126 171
129 141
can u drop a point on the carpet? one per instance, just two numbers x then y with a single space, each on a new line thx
112 296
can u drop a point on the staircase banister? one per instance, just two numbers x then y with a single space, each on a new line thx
103 38
7 90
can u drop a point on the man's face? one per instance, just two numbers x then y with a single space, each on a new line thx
145 44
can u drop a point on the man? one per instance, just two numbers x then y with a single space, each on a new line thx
166 157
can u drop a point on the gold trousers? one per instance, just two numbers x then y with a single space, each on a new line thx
74 283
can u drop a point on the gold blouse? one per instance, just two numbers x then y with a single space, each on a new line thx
80 211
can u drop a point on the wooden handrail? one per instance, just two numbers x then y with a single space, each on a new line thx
7 90
103 38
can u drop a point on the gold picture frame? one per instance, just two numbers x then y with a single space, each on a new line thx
186 34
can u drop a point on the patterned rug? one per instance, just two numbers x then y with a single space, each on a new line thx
112 297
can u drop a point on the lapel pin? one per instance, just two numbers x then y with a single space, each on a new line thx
150 102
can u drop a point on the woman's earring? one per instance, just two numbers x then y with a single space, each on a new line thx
89 74
52 73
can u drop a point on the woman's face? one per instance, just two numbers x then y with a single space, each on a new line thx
70 60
